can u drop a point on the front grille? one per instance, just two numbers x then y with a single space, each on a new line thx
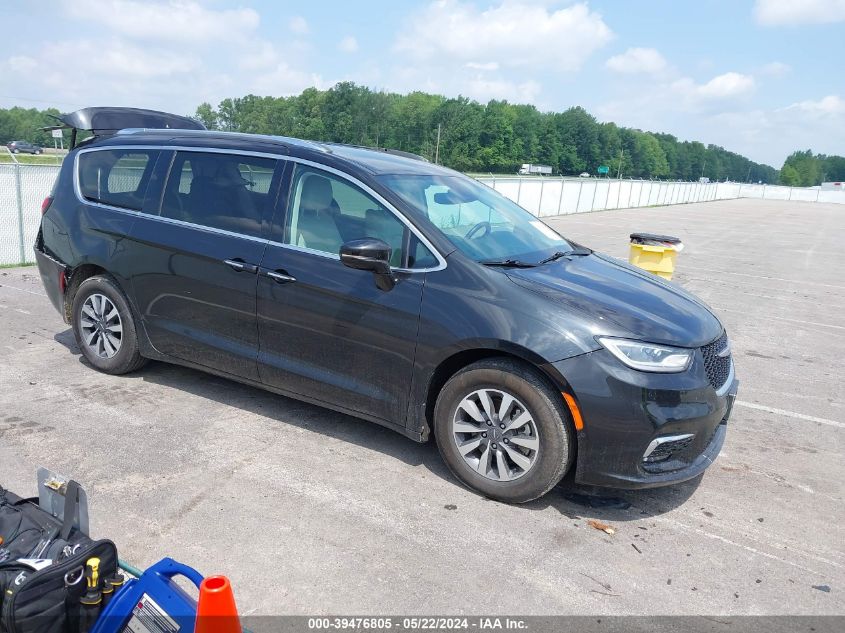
718 368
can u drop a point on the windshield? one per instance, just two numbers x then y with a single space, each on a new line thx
480 222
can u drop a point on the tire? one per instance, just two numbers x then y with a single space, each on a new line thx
97 328
517 480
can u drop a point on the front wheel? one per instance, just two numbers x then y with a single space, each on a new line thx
503 430
104 326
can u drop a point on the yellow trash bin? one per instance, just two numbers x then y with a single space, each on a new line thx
655 253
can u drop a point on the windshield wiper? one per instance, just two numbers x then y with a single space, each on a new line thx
513 263
578 250
554 256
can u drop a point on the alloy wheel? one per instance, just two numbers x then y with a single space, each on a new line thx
102 329
496 435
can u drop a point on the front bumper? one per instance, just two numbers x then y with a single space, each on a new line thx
642 429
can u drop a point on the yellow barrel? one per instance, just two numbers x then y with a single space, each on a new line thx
655 253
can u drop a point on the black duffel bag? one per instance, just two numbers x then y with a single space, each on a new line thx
43 564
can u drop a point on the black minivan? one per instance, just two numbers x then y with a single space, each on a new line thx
379 284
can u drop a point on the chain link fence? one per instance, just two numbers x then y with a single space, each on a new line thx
23 188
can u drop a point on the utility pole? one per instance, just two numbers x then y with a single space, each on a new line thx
703 165
621 156
437 147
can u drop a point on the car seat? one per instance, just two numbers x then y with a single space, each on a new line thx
316 227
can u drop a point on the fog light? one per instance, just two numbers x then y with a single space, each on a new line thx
662 448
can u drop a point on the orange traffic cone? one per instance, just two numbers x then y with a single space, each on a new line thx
216 610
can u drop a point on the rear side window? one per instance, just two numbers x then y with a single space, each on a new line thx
222 191
117 178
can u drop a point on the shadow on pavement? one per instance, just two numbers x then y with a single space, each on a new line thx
568 498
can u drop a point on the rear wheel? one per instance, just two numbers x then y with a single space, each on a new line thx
503 431
104 326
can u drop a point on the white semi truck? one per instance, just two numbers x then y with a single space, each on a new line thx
528 169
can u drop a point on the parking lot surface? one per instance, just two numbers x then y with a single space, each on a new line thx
310 511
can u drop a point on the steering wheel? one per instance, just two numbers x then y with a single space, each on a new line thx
478 227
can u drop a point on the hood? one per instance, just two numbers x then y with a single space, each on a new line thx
622 297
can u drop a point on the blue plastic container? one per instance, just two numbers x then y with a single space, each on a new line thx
153 602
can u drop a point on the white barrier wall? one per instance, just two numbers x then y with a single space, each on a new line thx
23 187
560 196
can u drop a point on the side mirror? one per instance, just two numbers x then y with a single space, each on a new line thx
368 253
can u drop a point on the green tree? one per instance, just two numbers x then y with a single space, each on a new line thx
497 136
807 166
789 176
206 115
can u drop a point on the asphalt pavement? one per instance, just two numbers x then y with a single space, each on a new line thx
314 512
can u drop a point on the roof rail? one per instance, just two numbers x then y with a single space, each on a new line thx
386 150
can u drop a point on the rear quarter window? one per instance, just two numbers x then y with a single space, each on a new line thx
230 192
117 178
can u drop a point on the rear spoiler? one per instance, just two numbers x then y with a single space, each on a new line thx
106 121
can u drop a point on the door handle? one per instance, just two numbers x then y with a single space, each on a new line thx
240 265
280 277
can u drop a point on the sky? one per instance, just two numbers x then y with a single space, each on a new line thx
759 77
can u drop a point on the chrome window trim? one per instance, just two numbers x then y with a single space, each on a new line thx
208 229
398 214
284 157
77 189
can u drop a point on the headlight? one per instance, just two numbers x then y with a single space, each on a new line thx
648 356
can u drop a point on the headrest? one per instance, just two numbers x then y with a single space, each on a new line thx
316 193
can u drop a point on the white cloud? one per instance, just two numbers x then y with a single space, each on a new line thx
299 25
259 55
485 66
348 44
830 105
483 89
109 57
283 80
726 86
776 69
682 98
771 135
638 60
795 12
21 63
164 54
173 20
766 135
513 34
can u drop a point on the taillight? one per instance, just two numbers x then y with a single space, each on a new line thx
62 281
46 204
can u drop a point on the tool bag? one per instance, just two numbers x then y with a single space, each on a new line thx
42 565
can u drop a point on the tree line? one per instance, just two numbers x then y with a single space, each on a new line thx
494 137
470 136
805 169
24 124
